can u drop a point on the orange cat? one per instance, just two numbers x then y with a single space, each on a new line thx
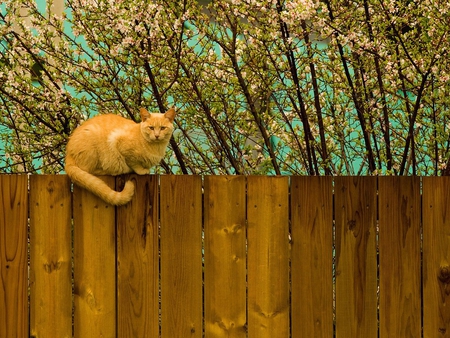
112 145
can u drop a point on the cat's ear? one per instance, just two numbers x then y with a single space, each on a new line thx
144 114
170 114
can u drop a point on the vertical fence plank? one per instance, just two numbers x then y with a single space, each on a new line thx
268 256
13 256
436 257
311 261
94 265
399 246
50 256
356 256
225 256
138 261
181 256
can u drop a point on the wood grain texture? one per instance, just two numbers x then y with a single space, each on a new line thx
94 265
268 256
311 256
181 256
50 256
356 256
259 279
225 256
399 247
138 260
13 256
436 257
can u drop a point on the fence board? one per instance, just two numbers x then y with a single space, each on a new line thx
268 256
225 256
13 256
181 256
138 261
356 257
50 256
311 261
95 265
399 245
436 257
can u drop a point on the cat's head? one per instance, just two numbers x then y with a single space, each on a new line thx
157 127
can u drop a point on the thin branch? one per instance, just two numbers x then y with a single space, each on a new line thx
357 101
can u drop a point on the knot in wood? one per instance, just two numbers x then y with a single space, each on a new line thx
444 274
353 227
51 187
351 224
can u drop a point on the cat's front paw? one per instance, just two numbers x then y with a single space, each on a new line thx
141 171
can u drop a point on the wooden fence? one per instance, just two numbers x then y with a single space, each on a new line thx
226 256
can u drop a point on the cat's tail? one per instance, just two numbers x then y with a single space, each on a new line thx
97 186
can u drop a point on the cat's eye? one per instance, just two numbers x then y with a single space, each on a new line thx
152 128
162 128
